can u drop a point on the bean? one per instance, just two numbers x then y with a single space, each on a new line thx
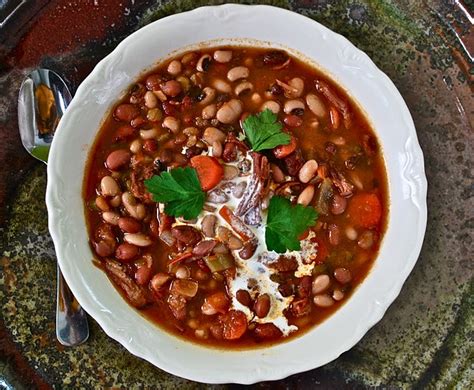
243 297
223 233
230 172
209 96
153 82
102 204
262 305
222 86
126 112
174 67
242 87
239 72
136 210
230 111
212 134
298 86
208 225
135 146
306 195
137 122
203 63
216 149
234 243
126 252
143 274
351 233
338 295
204 248
342 275
222 56
320 283
267 331
366 240
188 58
129 225
277 174
171 123
293 121
108 186
159 280
186 234
334 234
248 250
316 105
323 300
138 239
117 159
151 100
293 104
110 217
272 105
256 98
104 248
209 111
148 134
171 88
116 201
201 333
338 204
308 171
208 309
182 272
220 248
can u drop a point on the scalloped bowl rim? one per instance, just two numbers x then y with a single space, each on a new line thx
340 60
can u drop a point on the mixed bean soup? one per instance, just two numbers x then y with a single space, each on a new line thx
236 196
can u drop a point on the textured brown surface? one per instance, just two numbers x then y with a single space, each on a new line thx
424 340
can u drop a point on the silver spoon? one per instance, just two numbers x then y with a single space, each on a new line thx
42 101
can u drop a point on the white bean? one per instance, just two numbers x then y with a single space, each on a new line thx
138 239
230 111
148 134
136 210
222 86
308 171
323 300
111 217
223 56
306 195
293 104
151 100
174 67
212 134
135 146
109 187
316 105
237 73
351 233
338 295
272 105
320 284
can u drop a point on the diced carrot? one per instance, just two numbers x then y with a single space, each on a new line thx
236 223
234 324
283 151
218 301
209 171
365 210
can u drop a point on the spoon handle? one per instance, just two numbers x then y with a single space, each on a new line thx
71 320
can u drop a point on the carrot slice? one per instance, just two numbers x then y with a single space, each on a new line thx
283 151
365 210
209 171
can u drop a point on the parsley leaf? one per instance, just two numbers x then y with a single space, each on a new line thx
285 223
263 131
180 190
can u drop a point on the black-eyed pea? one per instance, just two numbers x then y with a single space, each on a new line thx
271 105
222 56
174 68
230 111
171 123
237 73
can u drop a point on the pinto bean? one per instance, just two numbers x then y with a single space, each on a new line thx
338 295
117 159
342 275
111 217
323 300
244 298
338 204
186 234
104 248
208 225
248 250
204 248
136 210
126 252
174 67
222 56
298 86
212 134
138 239
239 72
262 305
171 88
129 225
320 284
230 111
108 186
308 171
316 105
306 195
126 112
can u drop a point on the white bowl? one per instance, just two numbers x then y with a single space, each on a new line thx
251 26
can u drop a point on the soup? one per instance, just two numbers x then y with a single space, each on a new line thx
236 196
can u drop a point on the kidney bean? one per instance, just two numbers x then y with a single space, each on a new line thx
293 121
248 250
229 153
138 122
159 280
143 274
267 331
338 204
150 145
124 133
186 234
117 159
126 252
204 248
153 82
261 306
320 283
104 248
342 275
129 225
126 112
244 297
171 88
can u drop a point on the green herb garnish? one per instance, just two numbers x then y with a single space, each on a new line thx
285 223
180 190
264 131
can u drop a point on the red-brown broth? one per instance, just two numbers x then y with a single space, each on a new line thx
370 171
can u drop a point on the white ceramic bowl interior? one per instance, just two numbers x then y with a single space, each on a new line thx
250 26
